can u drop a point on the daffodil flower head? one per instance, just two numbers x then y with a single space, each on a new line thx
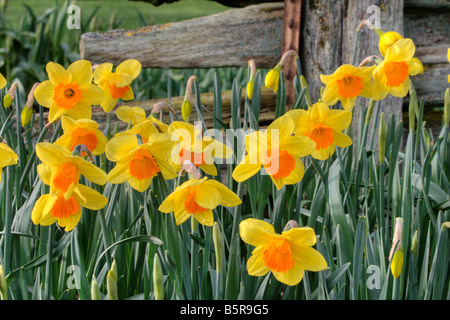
392 76
61 170
7 157
346 84
82 132
286 255
49 209
116 85
69 91
192 145
324 126
197 198
276 150
387 39
139 163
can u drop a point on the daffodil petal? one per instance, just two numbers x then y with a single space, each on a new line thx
256 232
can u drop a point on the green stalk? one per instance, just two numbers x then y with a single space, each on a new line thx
48 268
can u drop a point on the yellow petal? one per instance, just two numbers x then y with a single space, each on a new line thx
102 71
304 236
119 174
36 213
44 93
341 139
207 197
247 168
89 198
291 277
45 172
205 218
90 171
2 81
120 147
228 197
297 174
255 264
131 66
256 232
7 155
81 71
92 95
140 185
339 120
56 73
51 154
308 258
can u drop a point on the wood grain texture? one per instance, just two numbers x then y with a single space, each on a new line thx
230 38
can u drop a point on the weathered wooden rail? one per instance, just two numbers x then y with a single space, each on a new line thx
328 31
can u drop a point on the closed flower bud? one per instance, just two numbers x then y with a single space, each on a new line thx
250 85
7 101
158 280
414 243
251 80
26 115
397 263
95 291
273 77
186 109
218 246
387 40
111 282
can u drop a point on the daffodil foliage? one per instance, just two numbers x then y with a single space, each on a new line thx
164 204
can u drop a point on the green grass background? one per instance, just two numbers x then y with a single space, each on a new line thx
126 10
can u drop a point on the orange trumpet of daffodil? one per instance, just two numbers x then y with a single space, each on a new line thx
82 132
69 91
197 198
286 255
324 126
116 85
346 84
139 163
278 151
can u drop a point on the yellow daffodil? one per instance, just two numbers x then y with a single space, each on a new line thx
387 39
198 149
116 85
2 81
286 255
7 157
61 170
278 151
139 163
392 75
324 126
273 77
82 132
197 198
346 84
49 209
69 91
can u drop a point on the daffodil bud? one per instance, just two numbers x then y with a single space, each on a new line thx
397 263
26 115
414 243
273 77
369 111
251 80
7 101
95 291
111 282
387 40
397 238
218 246
186 109
158 281
447 107
382 138
3 286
